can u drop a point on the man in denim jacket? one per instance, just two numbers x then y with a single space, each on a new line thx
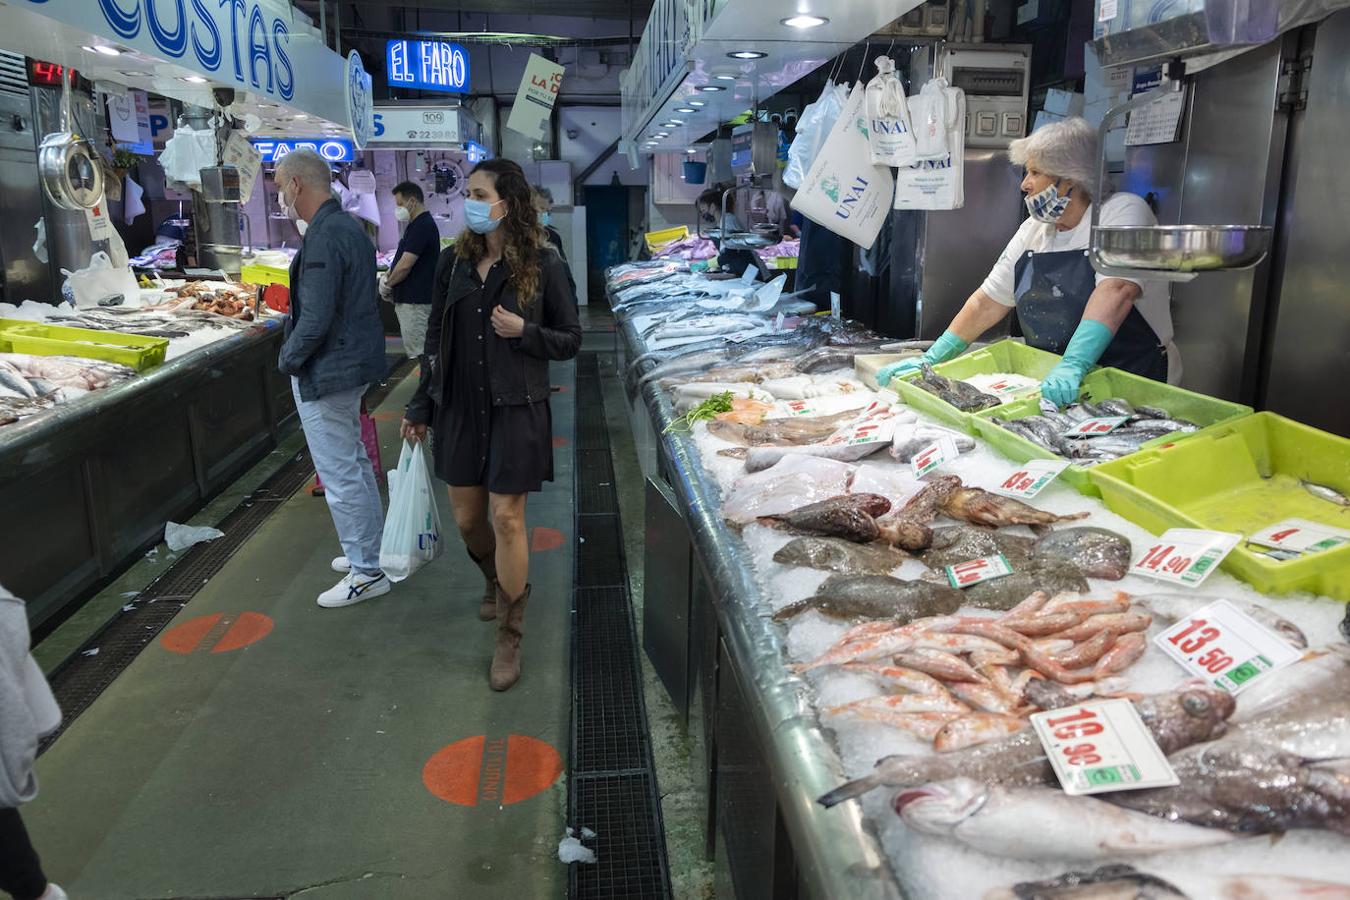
334 351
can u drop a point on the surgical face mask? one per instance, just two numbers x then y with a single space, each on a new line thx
301 226
478 213
287 206
1048 206
401 213
544 218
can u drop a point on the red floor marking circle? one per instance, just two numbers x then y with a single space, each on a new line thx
559 441
217 633
542 539
497 772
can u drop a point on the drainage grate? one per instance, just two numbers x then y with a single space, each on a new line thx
80 679
611 779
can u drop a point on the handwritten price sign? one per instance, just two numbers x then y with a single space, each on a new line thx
986 568
1096 427
1102 746
1030 478
1185 555
1222 644
934 455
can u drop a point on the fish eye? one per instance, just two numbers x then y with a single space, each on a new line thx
1195 704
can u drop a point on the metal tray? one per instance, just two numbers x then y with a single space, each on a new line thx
1180 248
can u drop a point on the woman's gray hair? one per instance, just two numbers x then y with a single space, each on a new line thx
1065 149
311 168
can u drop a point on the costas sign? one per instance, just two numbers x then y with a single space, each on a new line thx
428 65
331 150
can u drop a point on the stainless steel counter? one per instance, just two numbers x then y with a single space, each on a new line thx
88 484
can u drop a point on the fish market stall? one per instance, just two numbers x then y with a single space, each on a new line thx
859 586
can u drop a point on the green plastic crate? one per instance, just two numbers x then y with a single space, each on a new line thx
1102 384
42 339
1242 476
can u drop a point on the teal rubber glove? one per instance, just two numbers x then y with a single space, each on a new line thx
1087 345
943 349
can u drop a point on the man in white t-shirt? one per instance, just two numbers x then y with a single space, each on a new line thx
1063 305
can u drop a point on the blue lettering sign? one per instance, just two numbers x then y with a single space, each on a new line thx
855 195
427 65
476 152
335 151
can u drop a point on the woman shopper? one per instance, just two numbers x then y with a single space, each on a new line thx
502 308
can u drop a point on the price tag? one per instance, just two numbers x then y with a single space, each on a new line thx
1222 644
1106 10
800 408
986 568
778 322
836 310
1096 427
875 426
1301 536
1102 746
1185 555
100 226
750 275
1030 478
934 455
738 337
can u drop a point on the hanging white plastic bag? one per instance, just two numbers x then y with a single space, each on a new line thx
845 192
811 134
412 527
100 281
931 118
186 154
938 184
889 131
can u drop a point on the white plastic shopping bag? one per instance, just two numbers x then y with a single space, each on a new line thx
931 117
937 184
812 129
412 527
101 281
845 192
890 135
186 154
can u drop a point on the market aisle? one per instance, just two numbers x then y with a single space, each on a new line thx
300 761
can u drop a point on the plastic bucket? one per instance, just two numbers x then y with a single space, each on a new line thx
695 172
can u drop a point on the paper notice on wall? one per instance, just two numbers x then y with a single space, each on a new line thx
129 118
240 153
534 100
1157 123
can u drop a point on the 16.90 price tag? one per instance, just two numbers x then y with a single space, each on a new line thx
986 568
934 455
1030 478
1102 746
1185 555
1222 644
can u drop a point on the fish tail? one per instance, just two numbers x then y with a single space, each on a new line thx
792 609
850 790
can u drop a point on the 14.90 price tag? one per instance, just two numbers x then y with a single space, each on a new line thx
1030 478
1102 746
1222 644
1185 555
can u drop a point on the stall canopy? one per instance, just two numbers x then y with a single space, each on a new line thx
702 64
270 54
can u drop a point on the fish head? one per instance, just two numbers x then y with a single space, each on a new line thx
940 807
1192 714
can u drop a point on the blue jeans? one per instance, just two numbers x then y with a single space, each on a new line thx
333 430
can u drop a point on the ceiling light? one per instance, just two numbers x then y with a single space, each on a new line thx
663 135
725 77
193 79
691 151
804 21
747 54
698 103
300 116
711 88
673 123
685 109
103 49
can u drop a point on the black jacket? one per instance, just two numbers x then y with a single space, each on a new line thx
518 367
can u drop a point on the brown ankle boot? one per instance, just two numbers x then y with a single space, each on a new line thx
487 611
506 657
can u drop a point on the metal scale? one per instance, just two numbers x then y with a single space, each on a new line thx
754 160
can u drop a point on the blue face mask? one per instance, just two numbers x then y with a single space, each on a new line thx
545 218
1048 206
478 213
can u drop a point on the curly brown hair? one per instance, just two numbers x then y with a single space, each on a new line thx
525 237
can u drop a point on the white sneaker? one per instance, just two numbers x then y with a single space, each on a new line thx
341 564
54 892
353 589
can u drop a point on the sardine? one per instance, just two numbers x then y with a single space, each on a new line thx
1248 788
980 507
965 397
1042 823
1176 719
840 556
1322 492
1096 552
851 516
876 597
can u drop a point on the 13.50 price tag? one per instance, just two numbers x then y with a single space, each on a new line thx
986 568
1102 746
1222 644
1185 555
1030 478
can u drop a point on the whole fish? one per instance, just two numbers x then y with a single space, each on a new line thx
732 374
965 397
929 501
955 544
976 728
757 459
945 666
1122 882
1303 708
1096 552
840 556
851 516
910 680
824 359
1176 719
1248 788
909 442
876 597
980 507
1042 823
902 703
779 432
1322 492
14 381
1172 608
1030 575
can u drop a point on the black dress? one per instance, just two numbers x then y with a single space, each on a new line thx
506 449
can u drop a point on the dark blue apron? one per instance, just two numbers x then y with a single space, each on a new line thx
1052 293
